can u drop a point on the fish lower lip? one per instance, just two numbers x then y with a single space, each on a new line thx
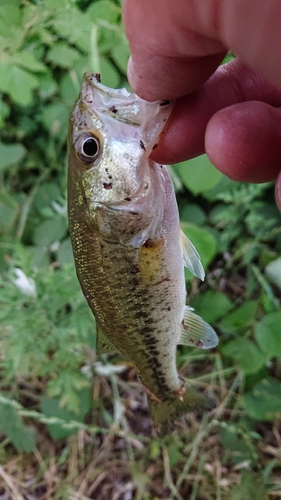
113 208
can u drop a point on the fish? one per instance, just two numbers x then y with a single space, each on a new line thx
128 246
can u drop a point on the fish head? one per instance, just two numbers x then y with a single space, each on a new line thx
113 186
112 133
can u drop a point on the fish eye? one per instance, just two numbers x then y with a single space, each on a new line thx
87 148
90 147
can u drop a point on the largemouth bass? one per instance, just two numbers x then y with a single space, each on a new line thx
128 248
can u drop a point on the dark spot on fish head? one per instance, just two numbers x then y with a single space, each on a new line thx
113 109
97 77
128 199
107 185
154 147
108 174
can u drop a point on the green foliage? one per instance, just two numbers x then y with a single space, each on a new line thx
245 353
10 154
240 318
273 272
11 424
198 175
268 334
51 407
251 486
212 306
263 402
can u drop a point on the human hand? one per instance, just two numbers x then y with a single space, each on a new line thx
235 116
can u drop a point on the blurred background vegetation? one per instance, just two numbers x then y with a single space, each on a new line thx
76 427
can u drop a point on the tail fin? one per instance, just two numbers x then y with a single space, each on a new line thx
168 410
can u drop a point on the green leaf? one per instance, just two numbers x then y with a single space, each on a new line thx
11 154
264 401
241 317
212 305
50 231
268 334
46 194
273 272
4 113
10 30
190 212
204 242
224 185
250 487
28 61
105 10
65 253
70 87
18 83
40 256
236 443
51 408
198 175
47 86
63 55
55 118
73 25
120 54
245 353
9 210
11 424
109 75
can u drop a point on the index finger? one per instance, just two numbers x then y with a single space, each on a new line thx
169 60
177 45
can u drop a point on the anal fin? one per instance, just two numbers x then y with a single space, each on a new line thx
103 345
196 332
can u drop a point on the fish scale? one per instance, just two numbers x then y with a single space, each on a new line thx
129 254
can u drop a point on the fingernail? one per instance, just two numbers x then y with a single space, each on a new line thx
278 191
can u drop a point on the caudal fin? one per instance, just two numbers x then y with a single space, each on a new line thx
168 410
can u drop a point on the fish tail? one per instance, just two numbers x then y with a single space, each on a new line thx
176 405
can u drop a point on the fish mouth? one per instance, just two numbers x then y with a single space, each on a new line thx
93 80
119 104
122 207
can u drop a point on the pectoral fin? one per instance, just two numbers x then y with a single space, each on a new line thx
191 257
104 346
196 332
